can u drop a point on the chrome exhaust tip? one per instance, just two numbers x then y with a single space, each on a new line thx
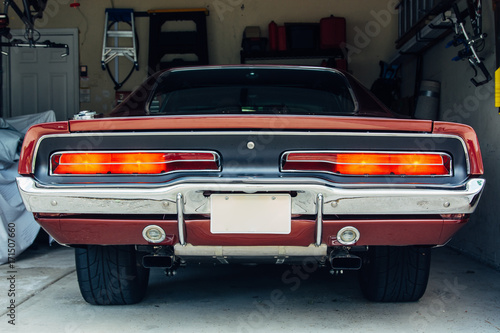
345 261
154 261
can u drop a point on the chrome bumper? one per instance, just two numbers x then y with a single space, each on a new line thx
164 200
189 250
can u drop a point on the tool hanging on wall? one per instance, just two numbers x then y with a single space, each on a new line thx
471 43
32 10
110 52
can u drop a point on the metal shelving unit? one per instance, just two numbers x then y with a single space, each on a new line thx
163 43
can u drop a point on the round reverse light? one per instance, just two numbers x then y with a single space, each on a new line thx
153 234
348 236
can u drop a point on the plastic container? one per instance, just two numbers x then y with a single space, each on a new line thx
273 36
332 32
282 38
428 100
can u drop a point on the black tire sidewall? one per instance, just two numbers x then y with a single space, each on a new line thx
110 275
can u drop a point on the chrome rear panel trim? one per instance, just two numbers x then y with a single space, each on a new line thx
163 200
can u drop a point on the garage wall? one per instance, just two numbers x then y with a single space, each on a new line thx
371 32
462 102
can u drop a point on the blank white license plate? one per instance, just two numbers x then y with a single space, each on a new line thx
250 214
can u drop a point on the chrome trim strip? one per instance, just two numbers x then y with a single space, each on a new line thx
257 181
250 251
180 218
163 200
284 156
247 132
319 218
214 154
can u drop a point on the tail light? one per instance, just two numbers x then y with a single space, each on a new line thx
129 163
369 163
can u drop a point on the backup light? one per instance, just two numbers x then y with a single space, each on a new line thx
153 234
129 163
348 236
369 163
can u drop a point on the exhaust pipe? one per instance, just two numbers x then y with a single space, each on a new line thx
345 261
163 261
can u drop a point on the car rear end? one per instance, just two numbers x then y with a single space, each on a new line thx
253 183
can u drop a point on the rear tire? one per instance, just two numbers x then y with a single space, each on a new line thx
110 275
395 274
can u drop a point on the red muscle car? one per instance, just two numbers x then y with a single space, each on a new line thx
251 164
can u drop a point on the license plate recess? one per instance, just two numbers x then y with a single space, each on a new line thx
250 214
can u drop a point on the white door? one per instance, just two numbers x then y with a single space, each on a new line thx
40 79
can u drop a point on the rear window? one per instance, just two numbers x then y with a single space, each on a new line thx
252 91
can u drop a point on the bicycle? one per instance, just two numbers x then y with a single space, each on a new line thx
472 43
33 9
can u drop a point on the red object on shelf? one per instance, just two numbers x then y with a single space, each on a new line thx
273 36
332 32
282 38
74 4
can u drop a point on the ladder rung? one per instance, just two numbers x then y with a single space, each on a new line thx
118 49
109 52
122 33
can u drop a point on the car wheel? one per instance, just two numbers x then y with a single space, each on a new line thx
395 274
110 275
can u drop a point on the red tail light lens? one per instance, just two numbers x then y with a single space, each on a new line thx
129 163
369 164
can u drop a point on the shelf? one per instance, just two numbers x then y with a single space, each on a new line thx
290 54
173 43
424 38
414 15
179 10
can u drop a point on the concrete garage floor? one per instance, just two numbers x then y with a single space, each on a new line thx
462 296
